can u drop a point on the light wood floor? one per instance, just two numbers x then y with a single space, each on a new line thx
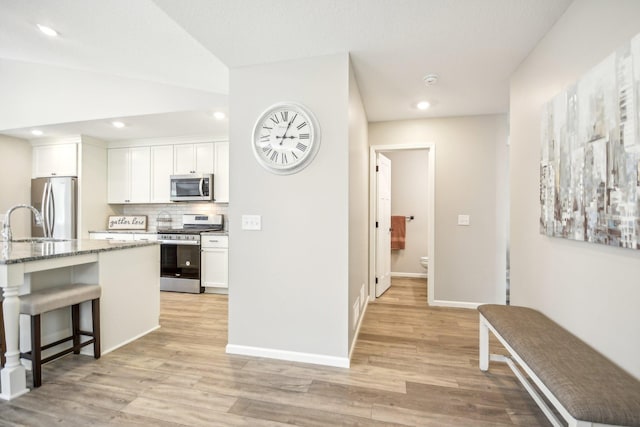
412 366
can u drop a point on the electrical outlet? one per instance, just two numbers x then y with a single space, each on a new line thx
251 222
464 220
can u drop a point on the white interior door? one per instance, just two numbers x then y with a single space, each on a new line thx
383 229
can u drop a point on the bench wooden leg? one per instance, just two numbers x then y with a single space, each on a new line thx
36 351
484 344
3 345
75 325
95 316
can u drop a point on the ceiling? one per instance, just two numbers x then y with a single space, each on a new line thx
474 47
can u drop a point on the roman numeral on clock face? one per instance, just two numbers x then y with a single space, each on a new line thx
301 125
265 138
275 119
274 156
285 115
304 136
267 149
284 159
300 146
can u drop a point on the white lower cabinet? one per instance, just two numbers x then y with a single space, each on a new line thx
214 262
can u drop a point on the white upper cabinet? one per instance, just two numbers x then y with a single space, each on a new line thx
194 158
221 173
129 176
55 160
161 170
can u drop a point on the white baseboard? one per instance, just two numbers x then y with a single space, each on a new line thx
220 291
355 336
292 356
416 275
89 349
454 304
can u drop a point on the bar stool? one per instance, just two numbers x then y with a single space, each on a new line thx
39 302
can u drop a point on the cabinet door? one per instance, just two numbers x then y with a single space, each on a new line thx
161 170
184 159
140 174
55 160
221 173
215 268
205 157
194 158
118 175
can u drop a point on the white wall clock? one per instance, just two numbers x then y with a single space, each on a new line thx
286 138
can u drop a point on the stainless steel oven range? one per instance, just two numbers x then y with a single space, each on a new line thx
180 252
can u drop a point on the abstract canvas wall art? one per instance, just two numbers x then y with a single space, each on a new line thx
590 157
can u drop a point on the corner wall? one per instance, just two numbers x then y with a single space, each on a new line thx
591 290
289 282
15 182
470 262
358 208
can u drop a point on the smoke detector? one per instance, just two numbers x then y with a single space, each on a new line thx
431 79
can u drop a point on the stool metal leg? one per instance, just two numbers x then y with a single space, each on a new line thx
95 316
36 357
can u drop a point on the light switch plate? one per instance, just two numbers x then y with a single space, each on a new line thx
251 222
464 220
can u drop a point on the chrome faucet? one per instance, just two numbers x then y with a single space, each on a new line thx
6 227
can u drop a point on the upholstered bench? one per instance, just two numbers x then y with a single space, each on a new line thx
39 302
586 388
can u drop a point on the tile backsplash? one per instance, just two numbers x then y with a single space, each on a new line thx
174 210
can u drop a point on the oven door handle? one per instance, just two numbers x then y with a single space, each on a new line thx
180 242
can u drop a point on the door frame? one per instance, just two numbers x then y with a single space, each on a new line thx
431 163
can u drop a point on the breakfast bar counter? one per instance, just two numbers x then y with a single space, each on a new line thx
128 273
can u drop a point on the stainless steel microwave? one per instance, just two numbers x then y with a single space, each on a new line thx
192 187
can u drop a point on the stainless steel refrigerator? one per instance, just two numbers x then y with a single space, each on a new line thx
56 199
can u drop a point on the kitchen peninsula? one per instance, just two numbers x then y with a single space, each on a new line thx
129 306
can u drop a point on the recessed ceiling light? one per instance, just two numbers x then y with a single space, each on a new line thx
37 132
219 115
118 124
423 105
48 30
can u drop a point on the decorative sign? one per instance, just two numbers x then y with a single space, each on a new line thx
590 163
119 222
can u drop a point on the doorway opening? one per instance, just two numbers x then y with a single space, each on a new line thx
379 252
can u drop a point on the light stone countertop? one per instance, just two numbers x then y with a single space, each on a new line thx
16 252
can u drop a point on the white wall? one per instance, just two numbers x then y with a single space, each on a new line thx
592 290
358 205
289 282
15 182
409 187
469 261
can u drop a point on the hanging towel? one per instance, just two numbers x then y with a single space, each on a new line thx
398 231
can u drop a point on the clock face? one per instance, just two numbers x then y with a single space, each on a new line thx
286 138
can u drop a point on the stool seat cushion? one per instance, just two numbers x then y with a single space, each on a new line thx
57 297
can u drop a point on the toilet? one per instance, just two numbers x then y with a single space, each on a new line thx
424 261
